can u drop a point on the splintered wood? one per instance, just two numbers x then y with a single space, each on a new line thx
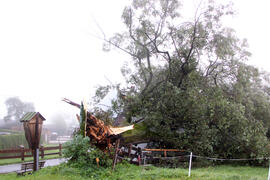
100 135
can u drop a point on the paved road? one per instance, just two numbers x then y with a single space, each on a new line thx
16 167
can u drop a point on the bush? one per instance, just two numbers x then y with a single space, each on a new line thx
82 154
12 141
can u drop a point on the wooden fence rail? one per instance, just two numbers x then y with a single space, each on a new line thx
163 150
141 156
23 152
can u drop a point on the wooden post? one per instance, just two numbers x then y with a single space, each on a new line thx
165 153
116 152
36 151
139 155
22 152
144 158
129 150
60 149
190 161
42 151
85 120
269 172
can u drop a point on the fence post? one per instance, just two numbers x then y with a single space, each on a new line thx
42 151
116 153
139 156
165 154
269 172
144 158
129 150
190 161
60 149
22 152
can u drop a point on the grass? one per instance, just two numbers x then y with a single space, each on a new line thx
126 171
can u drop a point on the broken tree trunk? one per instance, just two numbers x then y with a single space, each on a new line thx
101 135
116 153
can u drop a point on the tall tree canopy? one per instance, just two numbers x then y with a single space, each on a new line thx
16 109
189 82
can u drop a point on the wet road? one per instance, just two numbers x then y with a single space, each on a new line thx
16 167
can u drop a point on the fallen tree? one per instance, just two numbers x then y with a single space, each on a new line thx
101 135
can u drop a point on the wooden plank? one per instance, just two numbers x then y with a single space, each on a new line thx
47 154
28 155
10 151
51 148
29 166
10 157
14 150
168 150
27 150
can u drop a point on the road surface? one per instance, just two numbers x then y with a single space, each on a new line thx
16 167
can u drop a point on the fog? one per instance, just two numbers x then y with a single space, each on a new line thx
48 51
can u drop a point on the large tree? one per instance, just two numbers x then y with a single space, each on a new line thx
16 109
189 82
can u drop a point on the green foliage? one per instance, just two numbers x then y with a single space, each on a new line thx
13 141
189 82
101 92
82 120
106 116
83 155
125 171
16 109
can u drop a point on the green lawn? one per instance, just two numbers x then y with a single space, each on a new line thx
125 172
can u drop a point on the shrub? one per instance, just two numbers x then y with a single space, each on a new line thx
12 141
82 154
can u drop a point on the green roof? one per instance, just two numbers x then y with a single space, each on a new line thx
30 115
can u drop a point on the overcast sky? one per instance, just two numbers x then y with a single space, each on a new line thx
47 52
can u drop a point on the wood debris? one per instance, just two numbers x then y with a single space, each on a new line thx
101 135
